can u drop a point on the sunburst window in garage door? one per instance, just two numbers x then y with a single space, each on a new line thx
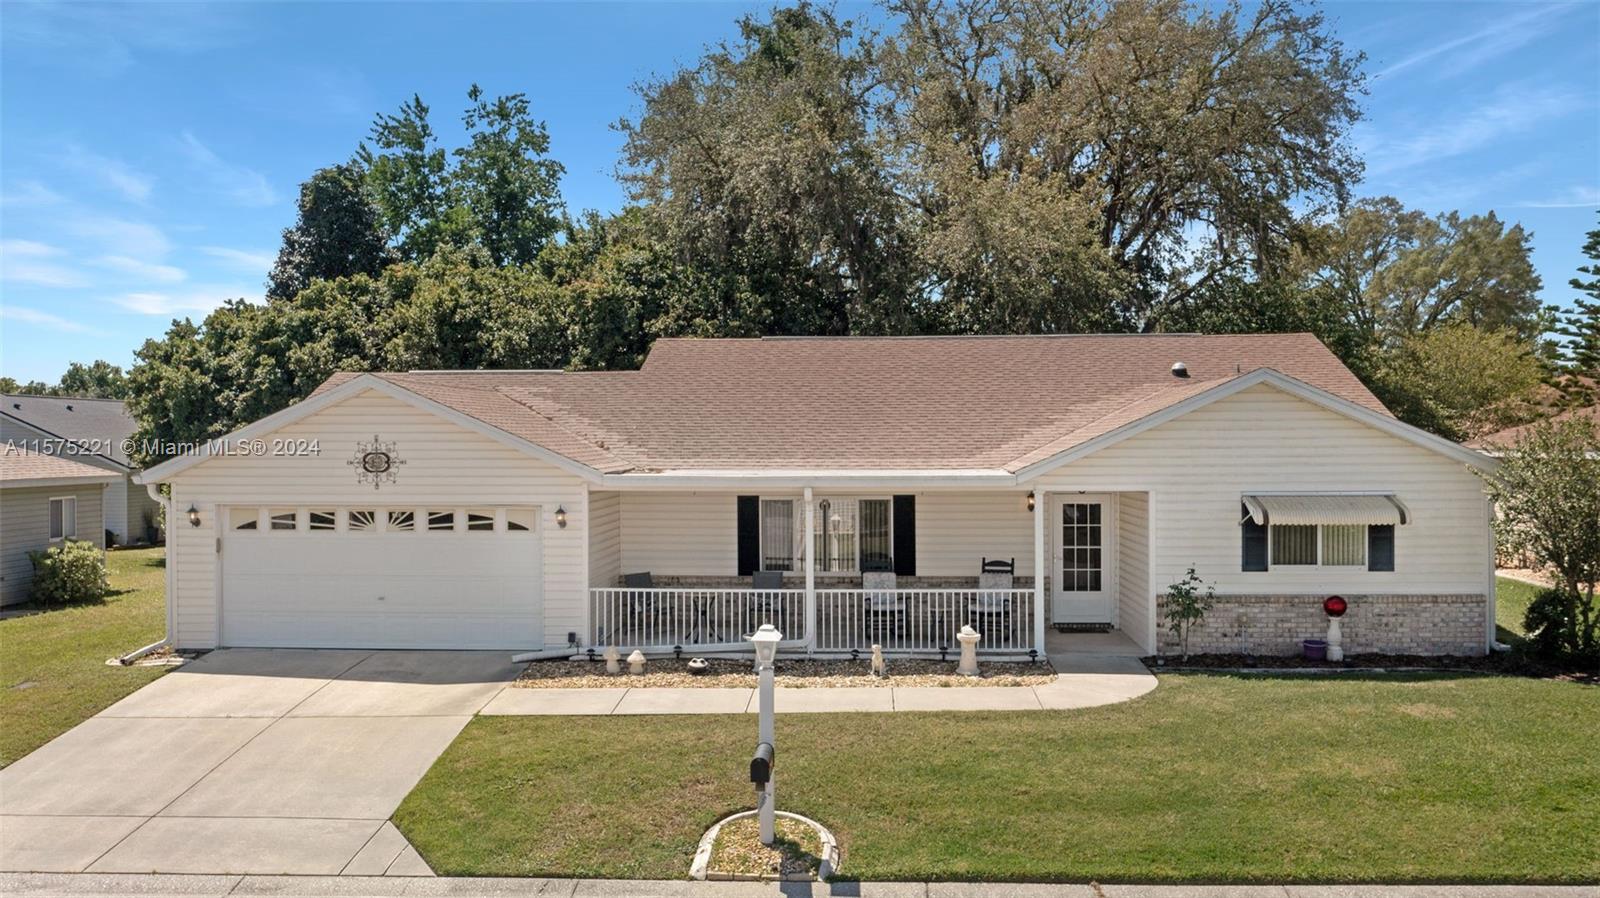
361 520
519 519
244 518
322 519
403 521
283 519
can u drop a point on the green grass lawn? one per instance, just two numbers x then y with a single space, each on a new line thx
1209 778
1511 598
53 673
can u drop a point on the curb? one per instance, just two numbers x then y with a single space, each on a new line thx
698 870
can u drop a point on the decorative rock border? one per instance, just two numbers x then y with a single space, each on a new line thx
698 870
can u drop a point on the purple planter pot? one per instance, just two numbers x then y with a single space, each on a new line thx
1314 649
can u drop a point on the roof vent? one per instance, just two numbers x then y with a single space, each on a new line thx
69 406
1179 369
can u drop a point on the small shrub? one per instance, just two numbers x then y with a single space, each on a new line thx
1186 606
1555 626
72 572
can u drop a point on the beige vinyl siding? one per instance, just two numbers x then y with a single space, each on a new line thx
25 527
1135 616
445 464
957 530
122 502
680 534
605 539
1197 466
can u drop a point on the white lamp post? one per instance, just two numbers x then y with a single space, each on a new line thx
766 641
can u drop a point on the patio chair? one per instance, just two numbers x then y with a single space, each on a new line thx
990 609
642 607
883 606
766 603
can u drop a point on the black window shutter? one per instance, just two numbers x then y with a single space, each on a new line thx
1254 538
905 535
749 534
1380 547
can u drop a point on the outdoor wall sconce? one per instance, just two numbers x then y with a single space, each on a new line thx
1031 500
561 517
194 516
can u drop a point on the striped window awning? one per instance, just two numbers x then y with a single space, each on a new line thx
1327 510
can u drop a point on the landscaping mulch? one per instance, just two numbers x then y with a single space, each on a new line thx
735 673
1502 663
797 850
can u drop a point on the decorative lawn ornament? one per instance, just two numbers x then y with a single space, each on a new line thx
612 656
1335 607
968 638
699 666
636 663
879 669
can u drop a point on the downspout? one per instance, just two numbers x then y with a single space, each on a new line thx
1491 592
1038 571
811 577
154 491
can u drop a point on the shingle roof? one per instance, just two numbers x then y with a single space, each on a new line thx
1502 439
19 465
100 424
867 403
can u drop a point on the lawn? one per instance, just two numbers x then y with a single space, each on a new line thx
1209 778
1511 598
53 672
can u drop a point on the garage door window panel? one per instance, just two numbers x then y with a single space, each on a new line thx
244 518
322 519
361 520
480 520
402 520
284 519
441 520
520 520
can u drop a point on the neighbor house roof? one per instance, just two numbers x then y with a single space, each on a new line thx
875 403
100 425
20 467
1505 438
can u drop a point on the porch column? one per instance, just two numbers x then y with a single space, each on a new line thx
1038 570
811 575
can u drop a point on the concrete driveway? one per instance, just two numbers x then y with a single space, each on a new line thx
247 761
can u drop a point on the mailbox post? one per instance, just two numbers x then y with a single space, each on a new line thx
766 641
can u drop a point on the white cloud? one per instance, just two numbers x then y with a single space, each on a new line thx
119 176
30 194
41 319
32 262
247 259
1512 111
199 298
1574 198
148 271
244 186
121 237
1469 51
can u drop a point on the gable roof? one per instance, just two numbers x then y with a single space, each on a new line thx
21 467
854 406
98 424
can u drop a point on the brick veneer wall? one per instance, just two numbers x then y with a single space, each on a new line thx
824 581
1274 625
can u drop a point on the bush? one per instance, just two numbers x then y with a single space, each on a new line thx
1555 627
72 572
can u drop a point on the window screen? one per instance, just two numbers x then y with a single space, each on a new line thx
1294 544
778 534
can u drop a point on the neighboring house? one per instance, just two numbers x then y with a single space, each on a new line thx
91 431
44 500
1505 439
861 482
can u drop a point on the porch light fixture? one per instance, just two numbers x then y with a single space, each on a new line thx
194 516
1031 500
561 517
766 640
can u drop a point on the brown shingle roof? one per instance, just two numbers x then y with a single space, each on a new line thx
1502 439
880 403
18 465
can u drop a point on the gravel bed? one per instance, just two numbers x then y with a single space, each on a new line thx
738 850
728 672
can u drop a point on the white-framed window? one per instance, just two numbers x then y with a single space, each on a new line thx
322 519
441 519
244 518
851 534
480 519
361 520
520 520
1317 545
282 519
402 520
63 517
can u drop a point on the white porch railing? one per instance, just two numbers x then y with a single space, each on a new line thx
661 619
901 620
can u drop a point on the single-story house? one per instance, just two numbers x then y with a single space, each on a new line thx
95 432
854 491
44 500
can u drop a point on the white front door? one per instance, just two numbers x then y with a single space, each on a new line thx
1084 573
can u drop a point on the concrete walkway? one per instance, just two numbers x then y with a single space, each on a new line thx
87 886
247 761
1084 681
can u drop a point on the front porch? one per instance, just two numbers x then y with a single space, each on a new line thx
680 573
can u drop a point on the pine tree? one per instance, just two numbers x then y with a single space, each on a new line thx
1581 327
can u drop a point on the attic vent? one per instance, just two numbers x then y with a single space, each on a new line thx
1179 369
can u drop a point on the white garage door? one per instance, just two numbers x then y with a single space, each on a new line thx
371 577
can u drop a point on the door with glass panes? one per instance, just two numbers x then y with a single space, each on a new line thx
1083 571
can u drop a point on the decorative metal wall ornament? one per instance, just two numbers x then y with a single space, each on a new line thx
375 462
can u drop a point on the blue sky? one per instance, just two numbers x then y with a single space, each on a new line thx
150 154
